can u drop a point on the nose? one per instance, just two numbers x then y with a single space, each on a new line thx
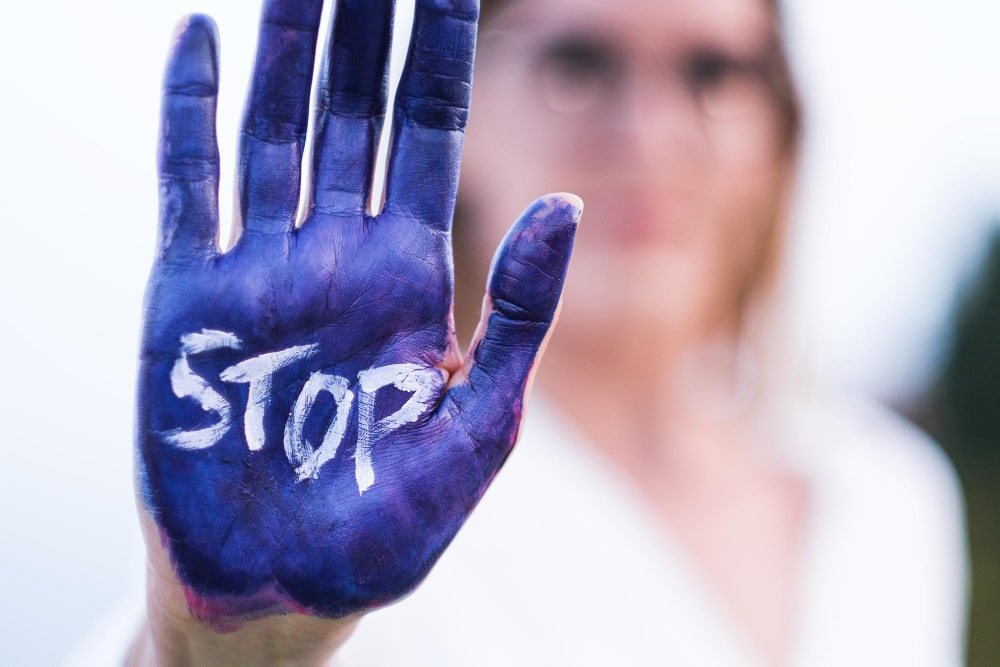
658 123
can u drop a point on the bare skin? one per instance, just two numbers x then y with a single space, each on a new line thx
738 516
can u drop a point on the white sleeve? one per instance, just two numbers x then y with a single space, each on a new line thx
926 566
888 563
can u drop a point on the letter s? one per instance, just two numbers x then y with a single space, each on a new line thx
188 384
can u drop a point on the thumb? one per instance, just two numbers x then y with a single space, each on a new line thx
521 303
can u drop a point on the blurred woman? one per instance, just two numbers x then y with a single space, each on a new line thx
678 496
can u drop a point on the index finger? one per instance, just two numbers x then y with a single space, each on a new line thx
432 108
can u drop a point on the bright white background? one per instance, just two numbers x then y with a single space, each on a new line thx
901 177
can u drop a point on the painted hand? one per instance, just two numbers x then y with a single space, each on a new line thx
309 439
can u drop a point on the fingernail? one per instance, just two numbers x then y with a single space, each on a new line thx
573 201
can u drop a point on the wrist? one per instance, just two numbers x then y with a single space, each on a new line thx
172 635
166 641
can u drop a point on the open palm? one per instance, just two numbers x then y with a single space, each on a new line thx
309 438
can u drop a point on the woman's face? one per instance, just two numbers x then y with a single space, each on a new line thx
654 112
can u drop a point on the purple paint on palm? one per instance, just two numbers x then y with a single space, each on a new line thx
286 469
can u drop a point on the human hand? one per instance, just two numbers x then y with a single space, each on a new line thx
309 438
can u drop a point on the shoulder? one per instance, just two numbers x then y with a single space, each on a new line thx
883 460
887 528
886 500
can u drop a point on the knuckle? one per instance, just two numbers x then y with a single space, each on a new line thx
189 167
189 89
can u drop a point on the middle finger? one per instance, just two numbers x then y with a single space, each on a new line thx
352 102
276 116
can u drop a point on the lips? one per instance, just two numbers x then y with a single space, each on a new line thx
634 217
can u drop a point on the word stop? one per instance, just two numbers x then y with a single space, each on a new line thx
258 372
